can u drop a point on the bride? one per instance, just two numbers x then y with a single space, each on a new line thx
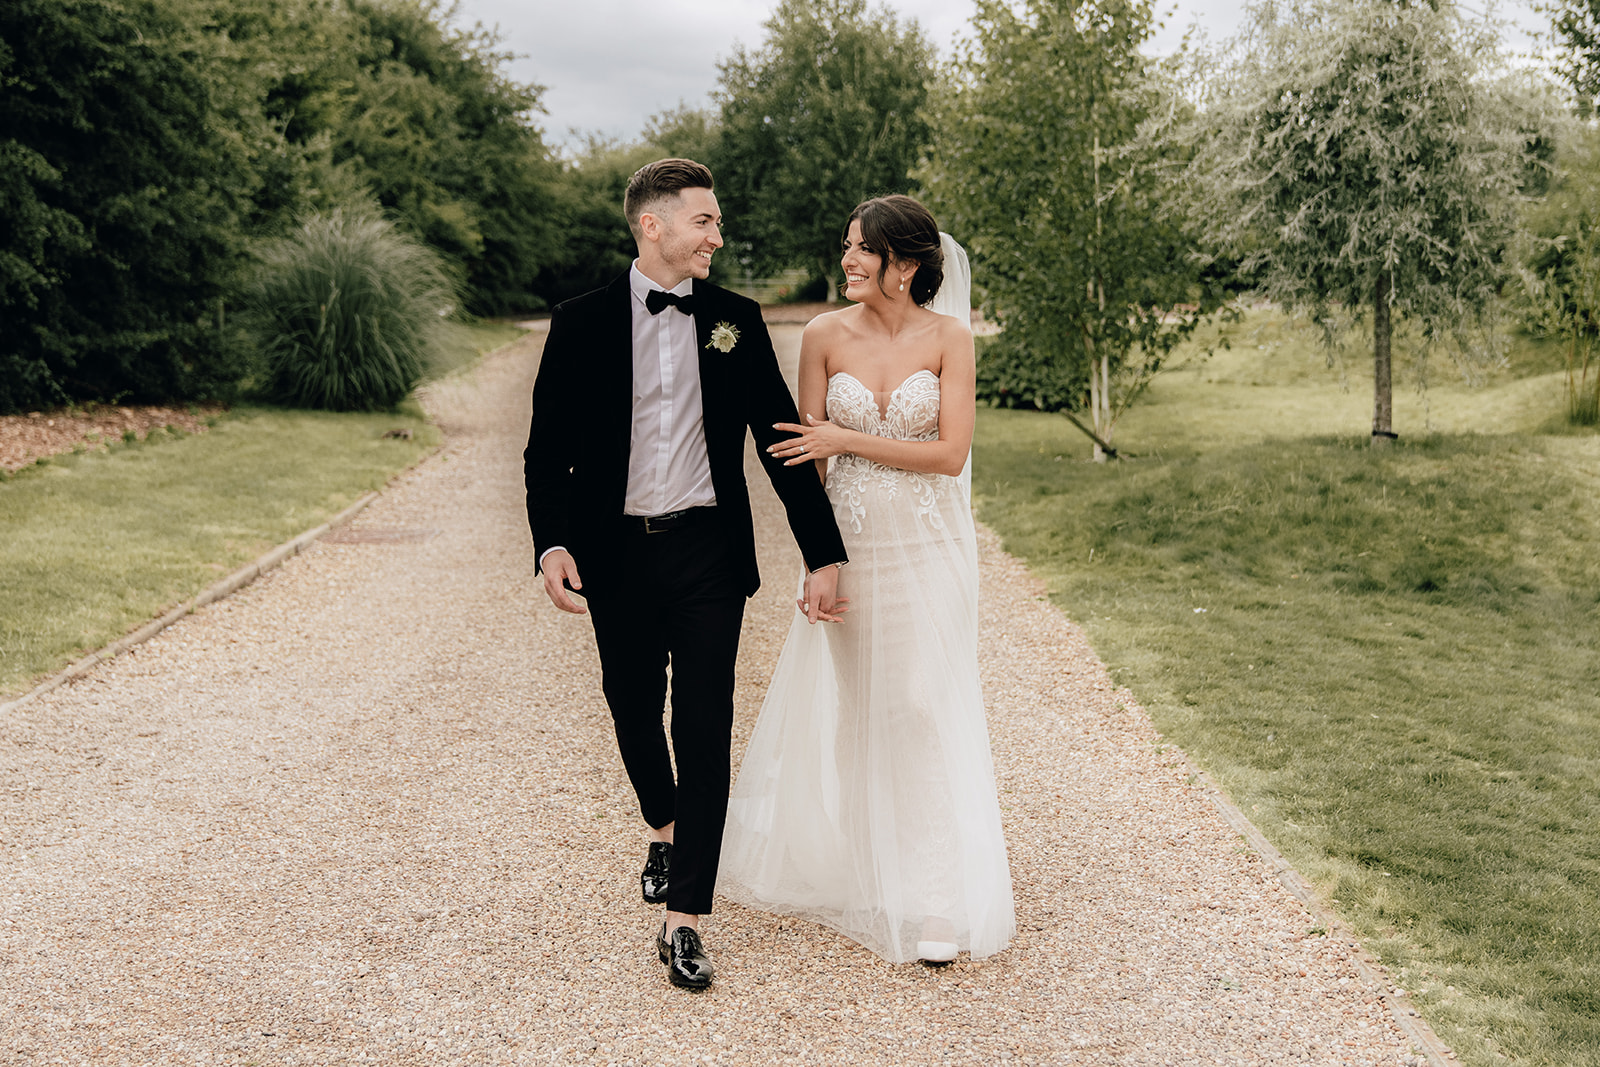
866 800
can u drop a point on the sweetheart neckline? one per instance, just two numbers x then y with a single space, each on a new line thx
883 412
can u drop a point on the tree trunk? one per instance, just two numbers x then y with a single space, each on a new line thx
1382 389
1094 399
827 274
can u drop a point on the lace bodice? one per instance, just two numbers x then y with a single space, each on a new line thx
912 413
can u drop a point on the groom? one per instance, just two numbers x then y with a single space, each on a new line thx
637 499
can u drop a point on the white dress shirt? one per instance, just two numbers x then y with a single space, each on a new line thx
667 465
668 469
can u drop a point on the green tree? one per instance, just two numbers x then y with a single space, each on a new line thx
1036 164
685 133
1561 269
825 114
384 100
126 196
1353 154
1577 40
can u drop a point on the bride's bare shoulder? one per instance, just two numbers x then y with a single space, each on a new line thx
952 329
831 324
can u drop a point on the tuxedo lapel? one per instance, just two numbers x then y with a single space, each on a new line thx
714 378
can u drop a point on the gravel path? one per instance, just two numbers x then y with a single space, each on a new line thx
369 810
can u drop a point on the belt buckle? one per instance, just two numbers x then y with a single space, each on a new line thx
666 522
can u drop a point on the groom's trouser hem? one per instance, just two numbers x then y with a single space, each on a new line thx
680 603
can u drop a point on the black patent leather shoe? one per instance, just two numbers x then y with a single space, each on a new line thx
653 879
688 966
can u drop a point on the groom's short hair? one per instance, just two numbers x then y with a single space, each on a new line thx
654 182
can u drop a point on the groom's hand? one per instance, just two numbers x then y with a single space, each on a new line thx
822 602
559 568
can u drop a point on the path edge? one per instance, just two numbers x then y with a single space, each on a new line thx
1372 971
240 578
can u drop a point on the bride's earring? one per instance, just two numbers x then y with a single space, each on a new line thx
902 285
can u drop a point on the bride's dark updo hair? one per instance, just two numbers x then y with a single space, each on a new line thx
898 227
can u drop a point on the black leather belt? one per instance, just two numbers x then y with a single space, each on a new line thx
653 524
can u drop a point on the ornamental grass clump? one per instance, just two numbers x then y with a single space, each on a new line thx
348 312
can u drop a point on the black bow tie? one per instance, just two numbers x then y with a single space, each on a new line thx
658 300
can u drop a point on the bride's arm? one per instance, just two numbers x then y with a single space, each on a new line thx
813 382
947 455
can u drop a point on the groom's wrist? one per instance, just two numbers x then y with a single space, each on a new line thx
825 566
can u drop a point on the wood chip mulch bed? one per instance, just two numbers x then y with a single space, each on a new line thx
27 438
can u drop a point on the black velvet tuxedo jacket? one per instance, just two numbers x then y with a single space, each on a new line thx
576 463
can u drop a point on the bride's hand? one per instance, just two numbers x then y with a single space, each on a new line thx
819 600
819 439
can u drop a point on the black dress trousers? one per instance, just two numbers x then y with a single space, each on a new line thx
675 598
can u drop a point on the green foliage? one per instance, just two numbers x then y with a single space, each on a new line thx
384 98
1577 60
125 203
825 115
144 144
1561 270
1036 164
684 132
1356 154
347 312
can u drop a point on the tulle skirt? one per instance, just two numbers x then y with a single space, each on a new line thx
866 800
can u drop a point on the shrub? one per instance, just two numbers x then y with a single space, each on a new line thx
1014 375
1561 271
347 312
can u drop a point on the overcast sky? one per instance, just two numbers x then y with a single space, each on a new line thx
608 65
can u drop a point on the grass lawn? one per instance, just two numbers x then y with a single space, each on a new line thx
1390 660
94 545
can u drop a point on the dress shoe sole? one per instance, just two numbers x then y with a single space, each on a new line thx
937 953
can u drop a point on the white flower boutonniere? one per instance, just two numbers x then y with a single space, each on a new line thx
723 337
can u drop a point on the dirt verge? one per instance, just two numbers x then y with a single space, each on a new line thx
26 438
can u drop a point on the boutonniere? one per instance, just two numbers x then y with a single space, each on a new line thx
724 335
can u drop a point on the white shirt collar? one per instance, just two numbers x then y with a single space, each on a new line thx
641 285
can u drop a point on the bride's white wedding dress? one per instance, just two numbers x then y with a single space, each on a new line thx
866 800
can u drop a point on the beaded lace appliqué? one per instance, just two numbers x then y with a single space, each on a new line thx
912 414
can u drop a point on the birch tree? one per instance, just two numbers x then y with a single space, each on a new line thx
1037 164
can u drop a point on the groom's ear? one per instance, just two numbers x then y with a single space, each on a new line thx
649 227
